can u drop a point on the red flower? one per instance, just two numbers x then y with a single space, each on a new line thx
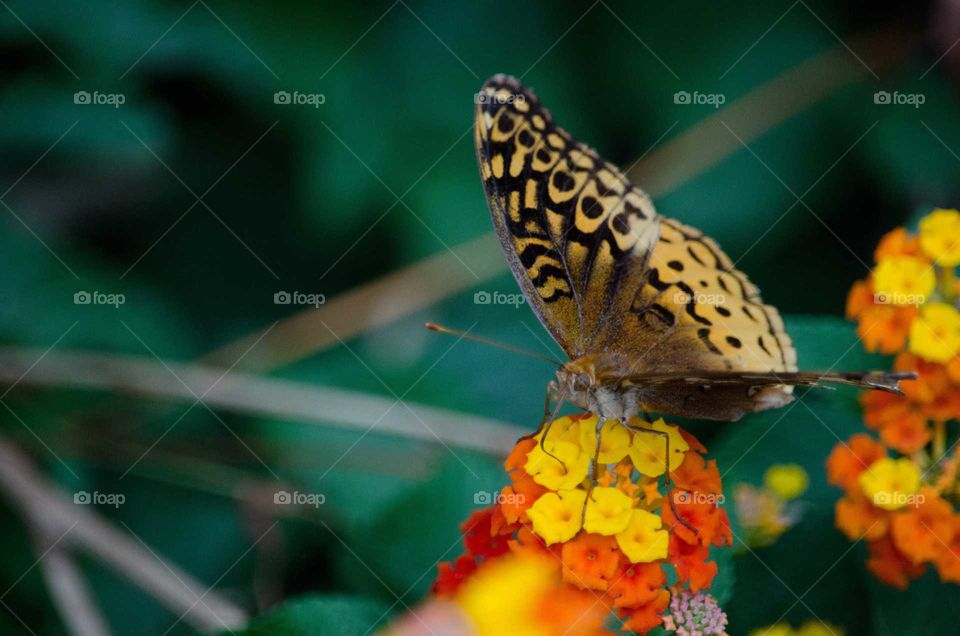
451 575
479 538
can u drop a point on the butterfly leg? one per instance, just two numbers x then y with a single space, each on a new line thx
551 395
667 482
594 469
549 419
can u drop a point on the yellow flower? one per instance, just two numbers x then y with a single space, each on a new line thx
816 628
568 472
608 511
556 516
940 237
644 540
503 596
810 628
903 280
563 429
787 480
781 629
890 483
935 335
614 440
648 450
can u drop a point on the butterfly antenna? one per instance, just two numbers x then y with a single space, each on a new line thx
463 334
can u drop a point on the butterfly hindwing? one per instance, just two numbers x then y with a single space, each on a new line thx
576 233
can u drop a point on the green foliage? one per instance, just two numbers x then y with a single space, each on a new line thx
310 615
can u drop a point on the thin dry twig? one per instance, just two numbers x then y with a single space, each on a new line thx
51 513
254 395
69 590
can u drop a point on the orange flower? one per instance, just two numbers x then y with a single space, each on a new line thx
646 617
518 456
922 532
897 242
953 370
527 542
637 584
932 378
525 492
857 519
884 328
697 475
947 561
880 407
690 562
569 611
891 567
847 461
693 442
701 515
907 434
859 299
590 560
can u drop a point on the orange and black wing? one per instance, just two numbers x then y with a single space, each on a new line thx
577 234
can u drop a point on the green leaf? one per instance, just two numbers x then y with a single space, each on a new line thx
927 606
309 616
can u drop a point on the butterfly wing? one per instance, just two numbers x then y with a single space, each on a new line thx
657 304
577 234
728 395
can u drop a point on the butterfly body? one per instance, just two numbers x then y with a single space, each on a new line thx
651 312
593 384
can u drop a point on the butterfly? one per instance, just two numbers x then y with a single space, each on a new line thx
652 314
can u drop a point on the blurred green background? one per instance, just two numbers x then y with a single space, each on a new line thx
199 197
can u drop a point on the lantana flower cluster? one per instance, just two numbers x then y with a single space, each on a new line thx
901 486
610 545
766 512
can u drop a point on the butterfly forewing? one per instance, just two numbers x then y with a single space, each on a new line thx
576 233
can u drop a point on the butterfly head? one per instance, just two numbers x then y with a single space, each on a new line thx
591 383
